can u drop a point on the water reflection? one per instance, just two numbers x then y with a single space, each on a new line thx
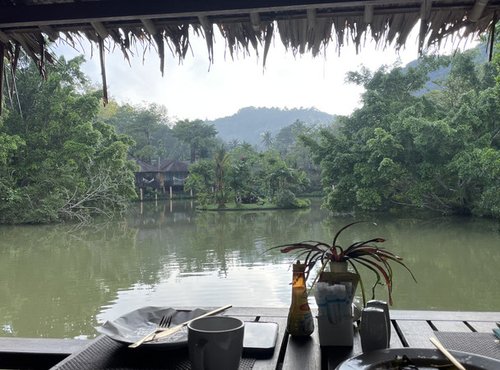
58 281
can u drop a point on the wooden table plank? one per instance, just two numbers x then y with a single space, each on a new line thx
272 362
395 340
270 314
455 326
444 315
416 333
278 315
251 314
483 326
255 311
336 356
303 353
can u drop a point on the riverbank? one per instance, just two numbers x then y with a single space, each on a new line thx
266 206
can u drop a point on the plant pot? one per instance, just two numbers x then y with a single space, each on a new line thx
334 296
338 267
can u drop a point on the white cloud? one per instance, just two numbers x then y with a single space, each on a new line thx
195 89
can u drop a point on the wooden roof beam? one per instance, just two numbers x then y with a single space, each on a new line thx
4 37
255 20
149 26
126 10
50 32
2 52
265 17
311 18
100 29
204 22
425 9
425 13
368 14
477 10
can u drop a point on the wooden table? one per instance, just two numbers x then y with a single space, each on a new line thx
409 329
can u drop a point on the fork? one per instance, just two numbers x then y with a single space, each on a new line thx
164 323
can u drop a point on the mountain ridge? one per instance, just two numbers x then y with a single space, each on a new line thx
248 123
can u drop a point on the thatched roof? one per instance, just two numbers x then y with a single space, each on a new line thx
174 166
302 25
166 165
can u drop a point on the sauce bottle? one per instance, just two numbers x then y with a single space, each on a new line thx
300 320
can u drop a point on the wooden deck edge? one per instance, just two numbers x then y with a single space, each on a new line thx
395 314
36 353
44 346
444 315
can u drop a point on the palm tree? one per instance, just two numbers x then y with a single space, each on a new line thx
267 139
221 160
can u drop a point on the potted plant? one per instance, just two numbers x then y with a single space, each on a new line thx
336 285
361 253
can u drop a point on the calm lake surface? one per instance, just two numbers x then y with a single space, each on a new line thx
61 281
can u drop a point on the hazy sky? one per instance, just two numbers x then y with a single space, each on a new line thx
196 89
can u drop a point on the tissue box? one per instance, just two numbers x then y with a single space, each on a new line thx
335 322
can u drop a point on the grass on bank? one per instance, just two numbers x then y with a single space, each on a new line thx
233 206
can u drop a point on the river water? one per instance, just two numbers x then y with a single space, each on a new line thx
62 281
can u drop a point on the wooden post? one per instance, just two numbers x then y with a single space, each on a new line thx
141 196
171 192
2 51
171 206
191 192
156 198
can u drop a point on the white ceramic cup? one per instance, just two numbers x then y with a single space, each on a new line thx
215 343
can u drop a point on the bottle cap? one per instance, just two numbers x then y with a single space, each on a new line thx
299 267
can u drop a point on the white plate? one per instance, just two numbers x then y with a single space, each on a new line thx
134 325
423 358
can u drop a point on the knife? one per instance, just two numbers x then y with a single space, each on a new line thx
165 332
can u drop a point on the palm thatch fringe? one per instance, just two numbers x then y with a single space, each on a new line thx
491 38
2 53
103 70
311 32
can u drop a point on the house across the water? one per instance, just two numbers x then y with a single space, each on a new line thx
162 176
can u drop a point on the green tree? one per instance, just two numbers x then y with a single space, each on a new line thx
437 150
267 139
279 182
201 180
148 126
296 154
221 160
61 162
198 135
241 174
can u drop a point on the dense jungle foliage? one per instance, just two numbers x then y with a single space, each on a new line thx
65 156
439 150
243 175
57 161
